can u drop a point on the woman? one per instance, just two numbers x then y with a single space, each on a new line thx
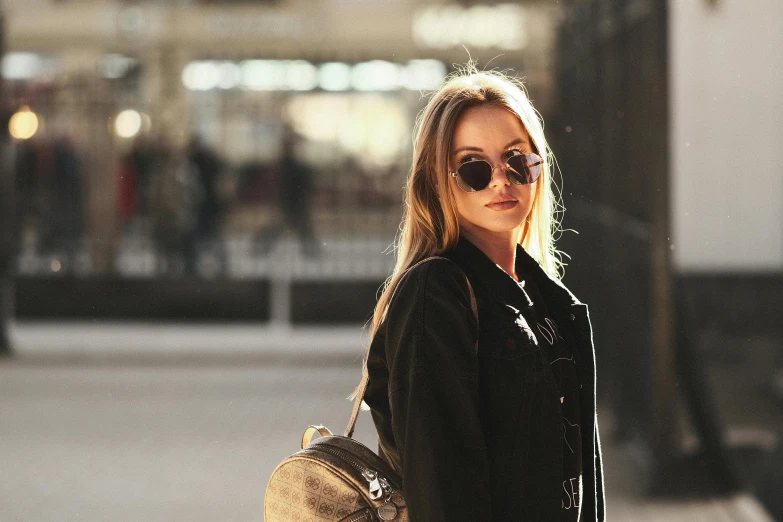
491 420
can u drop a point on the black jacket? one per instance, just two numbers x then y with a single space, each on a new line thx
478 437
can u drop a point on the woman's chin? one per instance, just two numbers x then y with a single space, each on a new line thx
497 226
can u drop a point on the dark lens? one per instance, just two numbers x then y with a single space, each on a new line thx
525 168
475 175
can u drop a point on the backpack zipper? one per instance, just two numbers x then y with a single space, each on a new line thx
363 516
379 474
377 483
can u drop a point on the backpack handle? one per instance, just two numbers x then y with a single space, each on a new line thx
311 430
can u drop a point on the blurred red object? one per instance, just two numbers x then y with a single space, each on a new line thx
127 190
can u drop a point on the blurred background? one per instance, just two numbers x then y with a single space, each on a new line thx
197 203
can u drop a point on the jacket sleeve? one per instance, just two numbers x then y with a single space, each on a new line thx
434 396
599 477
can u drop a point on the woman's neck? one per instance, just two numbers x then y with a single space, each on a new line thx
500 248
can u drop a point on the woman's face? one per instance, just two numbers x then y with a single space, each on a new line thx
492 134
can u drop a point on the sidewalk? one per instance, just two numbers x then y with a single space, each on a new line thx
626 502
118 341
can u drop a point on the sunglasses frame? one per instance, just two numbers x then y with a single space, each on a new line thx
505 166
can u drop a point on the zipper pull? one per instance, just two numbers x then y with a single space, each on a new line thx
375 489
386 487
374 484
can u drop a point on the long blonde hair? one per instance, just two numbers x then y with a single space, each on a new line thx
429 222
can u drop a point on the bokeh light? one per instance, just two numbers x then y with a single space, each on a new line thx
444 26
376 75
301 75
201 76
128 123
24 124
334 76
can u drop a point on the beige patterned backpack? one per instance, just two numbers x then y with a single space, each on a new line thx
336 478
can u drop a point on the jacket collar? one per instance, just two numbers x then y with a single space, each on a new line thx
475 261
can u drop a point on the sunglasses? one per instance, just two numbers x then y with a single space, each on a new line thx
521 169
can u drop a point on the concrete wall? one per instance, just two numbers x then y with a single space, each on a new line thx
726 113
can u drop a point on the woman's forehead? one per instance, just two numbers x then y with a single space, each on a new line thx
487 126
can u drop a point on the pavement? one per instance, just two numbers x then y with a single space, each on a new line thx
181 422
133 341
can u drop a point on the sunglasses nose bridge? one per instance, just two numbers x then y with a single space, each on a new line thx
502 167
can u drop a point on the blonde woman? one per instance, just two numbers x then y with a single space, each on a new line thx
495 420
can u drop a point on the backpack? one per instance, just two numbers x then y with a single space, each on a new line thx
336 478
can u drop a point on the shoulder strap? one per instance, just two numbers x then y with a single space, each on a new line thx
365 376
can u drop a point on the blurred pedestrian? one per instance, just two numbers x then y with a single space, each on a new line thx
62 226
143 159
28 185
480 372
170 196
294 198
127 194
8 233
207 170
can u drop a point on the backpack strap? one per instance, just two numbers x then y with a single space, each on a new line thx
366 377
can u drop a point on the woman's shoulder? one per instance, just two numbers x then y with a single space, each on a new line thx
433 278
437 272
433 300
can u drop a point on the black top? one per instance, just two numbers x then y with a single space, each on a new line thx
479 435
561 361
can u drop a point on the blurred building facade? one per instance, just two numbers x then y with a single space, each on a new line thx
128 84
726 82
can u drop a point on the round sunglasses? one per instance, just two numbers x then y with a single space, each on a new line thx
521 169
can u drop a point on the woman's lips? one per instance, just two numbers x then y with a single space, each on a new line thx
503 205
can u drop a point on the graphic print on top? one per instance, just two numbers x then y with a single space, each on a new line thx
563 365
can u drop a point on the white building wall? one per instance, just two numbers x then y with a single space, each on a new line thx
726 140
